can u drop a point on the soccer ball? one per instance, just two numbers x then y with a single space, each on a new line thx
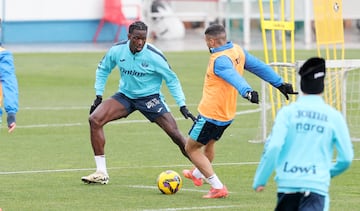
169 182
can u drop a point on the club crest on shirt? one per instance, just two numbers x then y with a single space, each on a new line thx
144 64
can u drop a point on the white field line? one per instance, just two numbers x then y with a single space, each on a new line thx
54 108
88 107
115 122
182 208
182 189
122 121
155 187
114 168
196 208
125 167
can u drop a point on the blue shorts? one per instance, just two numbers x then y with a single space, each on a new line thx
151 106
203 131
301 201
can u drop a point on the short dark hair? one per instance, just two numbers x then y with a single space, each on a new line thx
137 25
215 30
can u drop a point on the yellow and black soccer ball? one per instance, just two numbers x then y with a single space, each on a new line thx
169 182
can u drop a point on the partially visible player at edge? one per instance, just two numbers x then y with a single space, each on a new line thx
217 108
301 146
9 93
142 68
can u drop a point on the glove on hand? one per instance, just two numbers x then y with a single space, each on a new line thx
286 89
96 103
186 113
253 97
11 121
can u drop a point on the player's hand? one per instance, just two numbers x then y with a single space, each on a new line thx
186 113
252 96
260 188
286 89
11 121
96 103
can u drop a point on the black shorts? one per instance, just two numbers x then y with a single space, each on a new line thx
151 106
301 201
203 131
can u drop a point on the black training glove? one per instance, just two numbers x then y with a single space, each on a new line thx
96 103
186 113
286 89
252 96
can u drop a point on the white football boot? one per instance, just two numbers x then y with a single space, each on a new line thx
97 177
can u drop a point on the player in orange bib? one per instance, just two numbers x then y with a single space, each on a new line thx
217 108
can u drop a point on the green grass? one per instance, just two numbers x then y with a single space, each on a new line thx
42 161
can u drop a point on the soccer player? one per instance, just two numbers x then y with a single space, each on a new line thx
217 108
301 145
9 93
143 68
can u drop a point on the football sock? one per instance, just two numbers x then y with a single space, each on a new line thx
196 173
101 163
215 182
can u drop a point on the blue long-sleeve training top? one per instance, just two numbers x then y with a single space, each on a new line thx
223 64
9 98
141 74
301 147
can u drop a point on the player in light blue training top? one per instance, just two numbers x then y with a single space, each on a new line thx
9 93
143 68
301 146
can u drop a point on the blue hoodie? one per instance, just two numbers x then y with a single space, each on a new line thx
301 147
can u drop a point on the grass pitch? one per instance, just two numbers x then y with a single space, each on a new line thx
42 162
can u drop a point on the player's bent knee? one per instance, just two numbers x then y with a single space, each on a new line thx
94 122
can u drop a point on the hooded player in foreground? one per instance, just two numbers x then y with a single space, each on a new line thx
301 146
